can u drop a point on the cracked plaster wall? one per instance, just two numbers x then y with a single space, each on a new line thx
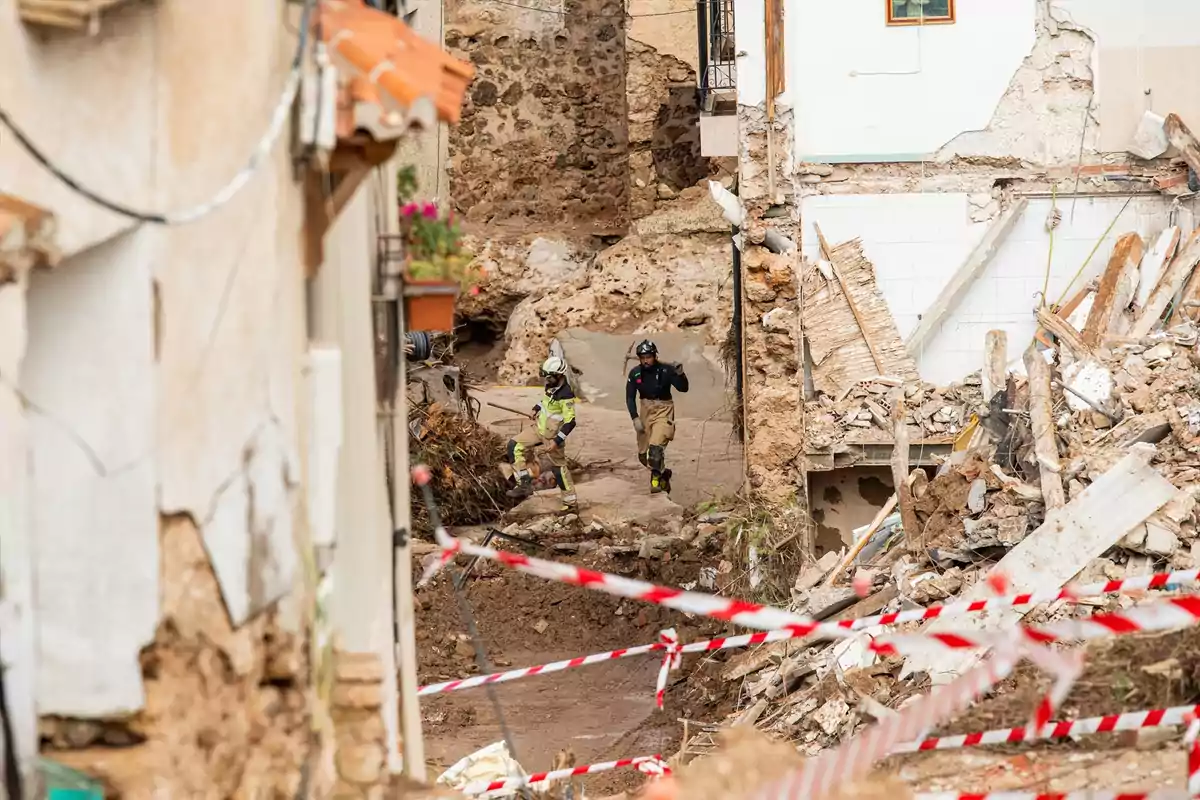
42 75
90 371
1146 57
182 346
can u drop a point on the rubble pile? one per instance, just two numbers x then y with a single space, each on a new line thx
1082 467
862 414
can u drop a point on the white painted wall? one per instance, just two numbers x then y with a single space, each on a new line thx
89 371
158 111
232 289
917 241
750 27
1146 59
864 91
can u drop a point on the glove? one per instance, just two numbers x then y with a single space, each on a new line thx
638 425
678 365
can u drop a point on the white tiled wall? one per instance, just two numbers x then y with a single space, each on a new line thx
917 241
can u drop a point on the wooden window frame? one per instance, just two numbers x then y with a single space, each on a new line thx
949 19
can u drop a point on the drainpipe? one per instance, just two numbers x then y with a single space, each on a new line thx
737 323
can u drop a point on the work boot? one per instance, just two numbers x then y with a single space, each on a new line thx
570 504
665 481
524 487
656 484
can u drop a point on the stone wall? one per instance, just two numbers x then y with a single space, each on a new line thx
358 724
772 341
664 128
542 140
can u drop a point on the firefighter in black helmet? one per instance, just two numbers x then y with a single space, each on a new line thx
652 381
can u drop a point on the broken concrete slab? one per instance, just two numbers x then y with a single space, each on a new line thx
1066 543
811 576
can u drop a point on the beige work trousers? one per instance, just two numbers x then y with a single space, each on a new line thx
557 456
658 424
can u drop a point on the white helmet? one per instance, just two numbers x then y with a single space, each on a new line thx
553 366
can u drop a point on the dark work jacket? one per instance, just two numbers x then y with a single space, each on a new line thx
652 383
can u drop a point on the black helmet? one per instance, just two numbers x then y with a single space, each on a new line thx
646 348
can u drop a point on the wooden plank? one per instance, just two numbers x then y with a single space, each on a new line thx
825 251
1116 289
913 538
1067 336
851 341
1189 292
995 363
835 575
1155 262
1184 140
1118 500
1041 415
953 292
1172 279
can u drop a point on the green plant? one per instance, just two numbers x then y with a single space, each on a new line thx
434 246
406 183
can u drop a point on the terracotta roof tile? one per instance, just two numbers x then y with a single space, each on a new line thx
387 53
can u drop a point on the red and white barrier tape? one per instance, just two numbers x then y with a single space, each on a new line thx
486 787
1086 794
856 757
1192 739
671 661
541 669
1132 721
1068 593
1166 614
754 615
1160 580
1170 613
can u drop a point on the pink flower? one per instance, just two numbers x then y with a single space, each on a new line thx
429 211
409 209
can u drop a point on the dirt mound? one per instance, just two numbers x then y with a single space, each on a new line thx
519 613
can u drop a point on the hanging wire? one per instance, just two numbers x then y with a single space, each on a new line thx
1052 222
239 181
468 617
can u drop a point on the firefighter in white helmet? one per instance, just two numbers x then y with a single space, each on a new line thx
554 418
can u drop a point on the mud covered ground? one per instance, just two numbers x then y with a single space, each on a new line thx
601 711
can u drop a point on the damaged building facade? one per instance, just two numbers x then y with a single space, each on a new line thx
943 167
188 430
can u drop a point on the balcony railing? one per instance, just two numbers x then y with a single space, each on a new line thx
718 52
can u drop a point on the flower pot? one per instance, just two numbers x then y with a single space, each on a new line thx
429 305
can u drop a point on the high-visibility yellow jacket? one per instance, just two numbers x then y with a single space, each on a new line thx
556 413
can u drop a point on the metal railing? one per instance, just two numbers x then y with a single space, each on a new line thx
718 52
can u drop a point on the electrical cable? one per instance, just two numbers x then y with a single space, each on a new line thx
12 766
481 659
238 182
